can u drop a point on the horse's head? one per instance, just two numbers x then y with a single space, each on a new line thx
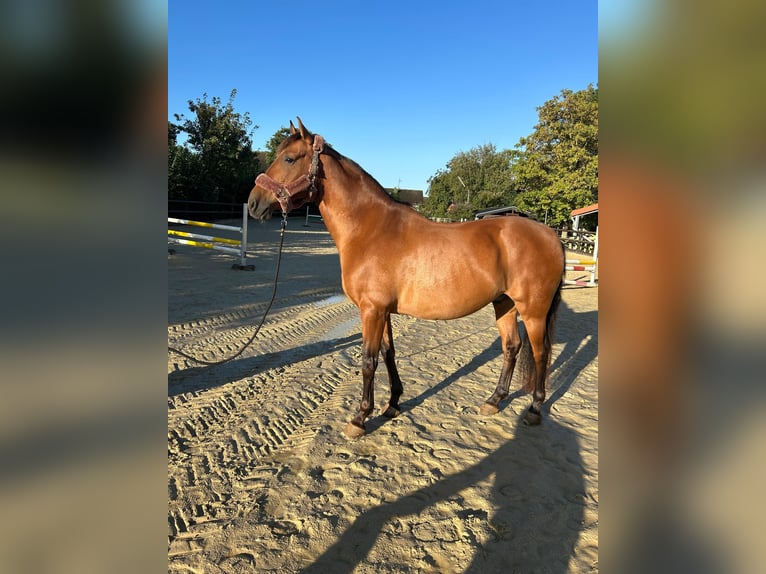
289 181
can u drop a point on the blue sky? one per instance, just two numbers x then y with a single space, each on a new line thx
399 87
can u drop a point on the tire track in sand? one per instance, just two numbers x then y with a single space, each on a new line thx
225 423
237 326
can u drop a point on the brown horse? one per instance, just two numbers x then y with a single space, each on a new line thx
394 260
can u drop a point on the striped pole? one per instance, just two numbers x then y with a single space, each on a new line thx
580 268
588 265
206 245
208 237
205 224
578 283
212 242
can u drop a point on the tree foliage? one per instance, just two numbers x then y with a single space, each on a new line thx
557 167
549 173
216 162
183 167
479 178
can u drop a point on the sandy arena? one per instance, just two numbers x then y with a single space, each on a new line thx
261 477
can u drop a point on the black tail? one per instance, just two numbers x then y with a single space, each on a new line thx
526 361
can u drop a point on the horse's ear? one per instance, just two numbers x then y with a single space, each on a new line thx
305 134
292 128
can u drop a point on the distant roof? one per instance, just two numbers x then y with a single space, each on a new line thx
411 196
585 210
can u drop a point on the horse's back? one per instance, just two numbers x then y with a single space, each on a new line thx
520 239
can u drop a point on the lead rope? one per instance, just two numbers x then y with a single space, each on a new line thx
266 312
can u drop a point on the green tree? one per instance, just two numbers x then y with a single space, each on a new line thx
183 167
477 179
272 145
216 162
557 167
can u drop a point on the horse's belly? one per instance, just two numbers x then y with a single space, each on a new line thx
446 303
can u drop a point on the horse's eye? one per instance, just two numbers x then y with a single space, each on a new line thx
289 159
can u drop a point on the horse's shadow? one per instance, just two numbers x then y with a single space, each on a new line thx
579 333
538 500
538 491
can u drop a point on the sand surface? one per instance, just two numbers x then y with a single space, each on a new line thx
261 477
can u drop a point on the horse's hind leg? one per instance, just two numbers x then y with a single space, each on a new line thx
541 350
389 355
540 325
505 315
373 323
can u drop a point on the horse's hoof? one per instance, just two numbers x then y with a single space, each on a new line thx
391 412
532 418
353 431
487 409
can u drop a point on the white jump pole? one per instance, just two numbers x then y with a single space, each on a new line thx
243 247
595 258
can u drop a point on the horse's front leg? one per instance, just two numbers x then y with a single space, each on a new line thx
389 357
373 321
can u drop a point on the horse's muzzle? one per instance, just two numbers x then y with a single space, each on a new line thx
260 209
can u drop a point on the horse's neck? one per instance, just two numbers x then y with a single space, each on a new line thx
353 202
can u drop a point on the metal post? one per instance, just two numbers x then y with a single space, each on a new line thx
595 259
243 253
243 247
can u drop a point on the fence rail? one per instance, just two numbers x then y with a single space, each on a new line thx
583 242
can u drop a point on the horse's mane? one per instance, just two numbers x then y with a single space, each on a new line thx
347 163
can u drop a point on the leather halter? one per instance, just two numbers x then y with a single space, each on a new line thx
296 193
